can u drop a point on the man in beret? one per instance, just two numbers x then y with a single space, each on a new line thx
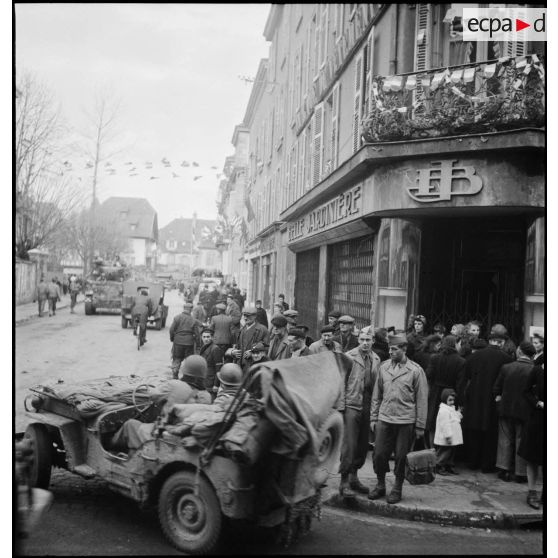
184 334
513 411
480 420
250 333
278 345
346 338
296 339
325 343
333 320
261 316
222 327
398 415
355 407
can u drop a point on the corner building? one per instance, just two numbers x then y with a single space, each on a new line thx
398 169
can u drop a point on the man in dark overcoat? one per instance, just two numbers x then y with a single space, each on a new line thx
480 417
222 327
184 334
250 333
261 316
214 357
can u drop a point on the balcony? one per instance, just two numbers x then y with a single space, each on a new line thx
502 94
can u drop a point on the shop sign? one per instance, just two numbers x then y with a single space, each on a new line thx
340 209
443 180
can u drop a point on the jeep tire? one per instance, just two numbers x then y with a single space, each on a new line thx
41 467
191 523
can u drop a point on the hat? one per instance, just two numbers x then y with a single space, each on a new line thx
296 332
258 301
500 329
334 314
397 339
445 394
346 319
221 306
290 313
207 330
527 348
188 305
497 335
194 366
327 329
420 318
291 321
229 295
250 311
303 327
259 348
279 320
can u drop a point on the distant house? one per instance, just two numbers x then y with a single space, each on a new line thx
138 220
179 248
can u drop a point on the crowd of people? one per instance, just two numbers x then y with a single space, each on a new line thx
475 400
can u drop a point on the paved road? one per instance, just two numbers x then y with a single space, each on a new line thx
87 519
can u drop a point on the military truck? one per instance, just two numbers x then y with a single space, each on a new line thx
156 292
103 287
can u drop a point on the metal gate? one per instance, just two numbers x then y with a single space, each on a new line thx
306 289
350 282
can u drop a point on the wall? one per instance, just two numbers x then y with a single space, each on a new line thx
138 248
25 281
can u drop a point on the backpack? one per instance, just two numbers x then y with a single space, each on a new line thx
420 466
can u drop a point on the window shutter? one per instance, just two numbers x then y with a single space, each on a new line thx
301 152
358 101
370 73
317 39
294 162
308 158
515 48
335 127
317 135
287 177
324 33
422 43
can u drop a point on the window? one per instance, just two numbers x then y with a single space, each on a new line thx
171 244
317 142
324 25
339 21
331 131
358 100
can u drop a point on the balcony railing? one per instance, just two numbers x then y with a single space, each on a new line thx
472 98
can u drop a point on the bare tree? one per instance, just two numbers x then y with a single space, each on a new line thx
44 196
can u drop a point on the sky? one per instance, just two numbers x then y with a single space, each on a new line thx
174 71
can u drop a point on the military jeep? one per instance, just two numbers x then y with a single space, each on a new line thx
194 482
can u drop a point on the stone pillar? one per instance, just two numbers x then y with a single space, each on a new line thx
322 286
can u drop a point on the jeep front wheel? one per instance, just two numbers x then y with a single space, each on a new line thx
191 522
41 444
89 309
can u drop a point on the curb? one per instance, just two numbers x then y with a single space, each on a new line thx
482 519
35 315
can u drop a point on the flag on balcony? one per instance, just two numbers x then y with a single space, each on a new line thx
469 75
396 83
411 83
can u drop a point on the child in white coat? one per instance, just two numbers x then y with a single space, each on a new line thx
448 433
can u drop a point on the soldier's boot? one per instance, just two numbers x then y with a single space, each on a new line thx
379 491
175 367
356 485
395 495
345 490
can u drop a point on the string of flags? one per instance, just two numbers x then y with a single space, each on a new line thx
455 77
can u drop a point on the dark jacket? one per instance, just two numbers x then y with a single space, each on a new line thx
184 330
246 338
278 348
480 373
261 317
381 348
222 327
42 291
511 384
445 370
142 304
214 357
347 341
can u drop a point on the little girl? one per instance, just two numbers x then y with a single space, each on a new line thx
448 433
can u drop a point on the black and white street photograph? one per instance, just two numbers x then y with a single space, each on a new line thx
279 279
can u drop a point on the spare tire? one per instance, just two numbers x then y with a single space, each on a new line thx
330 438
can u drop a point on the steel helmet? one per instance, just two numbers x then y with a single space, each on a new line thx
195 366
230 374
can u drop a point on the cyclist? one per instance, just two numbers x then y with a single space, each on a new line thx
142 308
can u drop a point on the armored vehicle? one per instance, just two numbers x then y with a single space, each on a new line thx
103 287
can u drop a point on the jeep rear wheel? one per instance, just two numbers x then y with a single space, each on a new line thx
41 443
191 522
89 308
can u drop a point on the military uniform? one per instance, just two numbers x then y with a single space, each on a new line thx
142 308
184 333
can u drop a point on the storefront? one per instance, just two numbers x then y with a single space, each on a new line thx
447 230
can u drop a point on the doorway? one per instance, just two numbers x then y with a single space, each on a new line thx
473 269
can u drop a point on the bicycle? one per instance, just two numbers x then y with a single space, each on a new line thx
137 331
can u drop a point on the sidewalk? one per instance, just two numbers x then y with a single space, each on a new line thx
30 311
470 499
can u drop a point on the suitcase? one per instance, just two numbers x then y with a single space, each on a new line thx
420 466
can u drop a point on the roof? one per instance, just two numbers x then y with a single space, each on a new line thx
136 214
181 230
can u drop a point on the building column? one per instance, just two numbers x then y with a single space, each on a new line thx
322 285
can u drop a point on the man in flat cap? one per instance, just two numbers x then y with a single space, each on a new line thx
184 335
278 345
261 316
296 339
513 410
258 353
346 338
307 340
250 333
222 327
333 320
398 415
325 343
480 420
291 316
